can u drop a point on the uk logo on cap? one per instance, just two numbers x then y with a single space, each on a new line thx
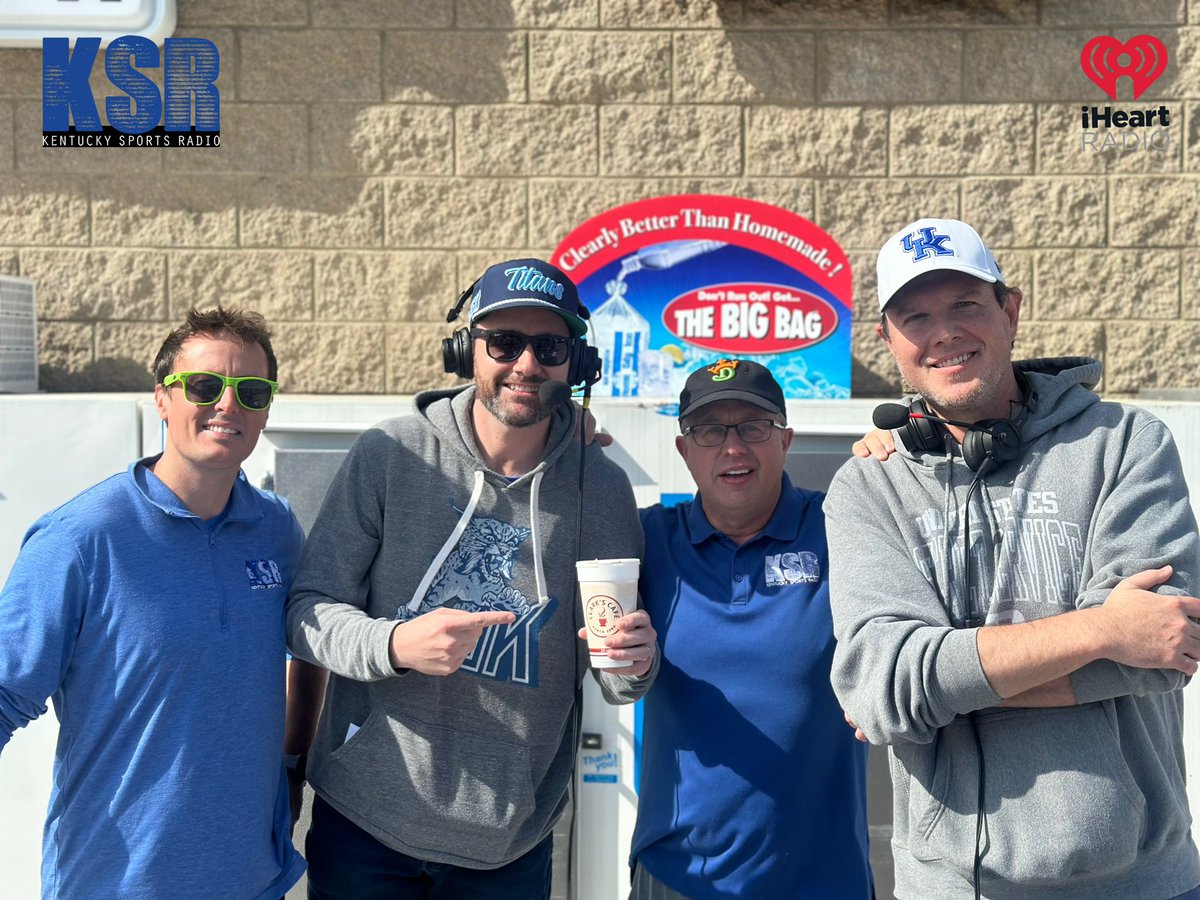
929 245
925 241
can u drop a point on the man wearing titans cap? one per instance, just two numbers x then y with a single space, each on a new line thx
438 587
752 786
1012 595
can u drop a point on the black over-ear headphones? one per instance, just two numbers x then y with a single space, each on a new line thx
583 364
996 439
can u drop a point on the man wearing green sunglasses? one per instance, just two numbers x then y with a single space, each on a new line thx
151 608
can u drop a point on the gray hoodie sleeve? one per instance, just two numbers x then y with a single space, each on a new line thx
327 622
900 670
1144 522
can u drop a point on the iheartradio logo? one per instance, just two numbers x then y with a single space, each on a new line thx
1141 59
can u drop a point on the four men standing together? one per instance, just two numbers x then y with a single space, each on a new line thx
1010 586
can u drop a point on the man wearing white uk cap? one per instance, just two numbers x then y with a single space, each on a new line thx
1011 594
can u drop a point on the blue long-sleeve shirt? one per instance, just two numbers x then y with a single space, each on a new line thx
160 637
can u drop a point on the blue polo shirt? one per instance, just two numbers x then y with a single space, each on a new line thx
160 637
752 783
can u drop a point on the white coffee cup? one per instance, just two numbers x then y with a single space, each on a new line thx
608 590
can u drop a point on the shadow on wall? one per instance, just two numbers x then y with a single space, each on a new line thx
109 374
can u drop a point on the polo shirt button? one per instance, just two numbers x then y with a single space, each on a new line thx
737 577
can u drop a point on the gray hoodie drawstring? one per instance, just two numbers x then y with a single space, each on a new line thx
460 528
434 567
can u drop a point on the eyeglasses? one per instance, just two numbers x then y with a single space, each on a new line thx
507 346
206 388
712 434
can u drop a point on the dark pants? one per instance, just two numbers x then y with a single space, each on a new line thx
346 863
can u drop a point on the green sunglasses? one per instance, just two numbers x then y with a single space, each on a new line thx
206 388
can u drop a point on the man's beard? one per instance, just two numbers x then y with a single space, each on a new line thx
488 393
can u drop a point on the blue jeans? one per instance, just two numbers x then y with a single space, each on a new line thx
346 863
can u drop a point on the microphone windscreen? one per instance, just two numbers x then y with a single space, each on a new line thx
890 415
554 393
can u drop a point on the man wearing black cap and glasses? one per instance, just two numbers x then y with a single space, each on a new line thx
751 784
438 588
151 607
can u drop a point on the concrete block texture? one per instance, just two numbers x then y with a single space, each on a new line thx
456 212
309 65
333 358
1037 212
957 140
20 73
393 286
411 15
1089 13
1063 339
41 209
308 212
278 284
276 13
877 67
745 66
809 141
600 67
967 13
7 148
1157 211
863 213
547 14
454 67
382 139
165 211
9 262
124 353
670 13
816 14
84 285
66 351
414 358
670 140
1108 284
511 140
1129 367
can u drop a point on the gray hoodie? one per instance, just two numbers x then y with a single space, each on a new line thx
470 769
1086 801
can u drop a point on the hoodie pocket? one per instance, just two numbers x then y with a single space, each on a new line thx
435 787
1059 800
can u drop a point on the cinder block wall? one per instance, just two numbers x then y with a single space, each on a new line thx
377 154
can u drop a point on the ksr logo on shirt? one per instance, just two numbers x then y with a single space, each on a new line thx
263 573
801 567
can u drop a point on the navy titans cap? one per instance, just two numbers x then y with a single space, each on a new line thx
528 283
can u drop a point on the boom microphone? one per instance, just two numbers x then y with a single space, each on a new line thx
554 393
889 416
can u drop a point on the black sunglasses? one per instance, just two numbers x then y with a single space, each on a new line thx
507 346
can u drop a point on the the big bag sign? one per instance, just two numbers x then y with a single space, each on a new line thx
677 282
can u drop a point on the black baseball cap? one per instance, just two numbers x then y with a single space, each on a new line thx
732 379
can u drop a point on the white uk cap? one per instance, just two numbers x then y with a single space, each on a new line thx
928 245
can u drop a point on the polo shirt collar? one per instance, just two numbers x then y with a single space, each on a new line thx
784 524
